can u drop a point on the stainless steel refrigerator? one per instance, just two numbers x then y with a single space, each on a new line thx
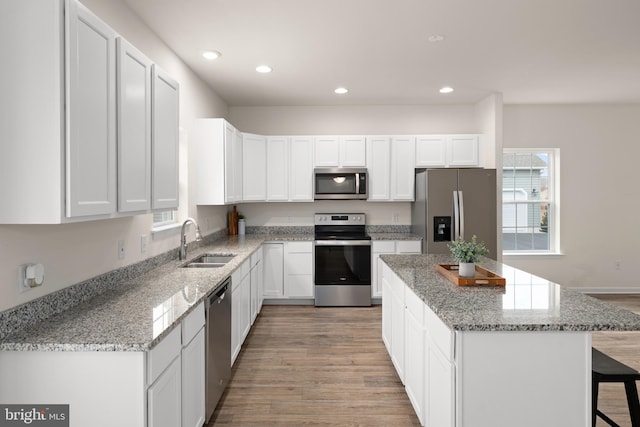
455 202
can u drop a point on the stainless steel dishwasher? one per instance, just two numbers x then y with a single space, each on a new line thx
218 352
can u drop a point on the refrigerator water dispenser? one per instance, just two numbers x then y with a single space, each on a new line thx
442 228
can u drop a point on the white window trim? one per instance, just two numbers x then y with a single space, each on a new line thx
553 199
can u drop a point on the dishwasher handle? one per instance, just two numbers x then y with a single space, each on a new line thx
219 295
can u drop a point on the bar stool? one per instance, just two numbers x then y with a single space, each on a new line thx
606 369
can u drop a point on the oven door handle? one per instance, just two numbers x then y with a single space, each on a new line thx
342 242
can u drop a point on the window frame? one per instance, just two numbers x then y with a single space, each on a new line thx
552 199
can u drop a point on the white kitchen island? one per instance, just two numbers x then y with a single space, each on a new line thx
504 356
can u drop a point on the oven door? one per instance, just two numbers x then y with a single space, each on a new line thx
343 272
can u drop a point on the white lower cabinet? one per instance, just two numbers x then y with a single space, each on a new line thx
193 369
298 269
256 284
165 398
468 378
417 342
175 371
273 270
288 270
380 247
439 383
240 307
397 323
414 354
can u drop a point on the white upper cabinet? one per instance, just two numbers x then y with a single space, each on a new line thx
389 164
447 151
134 128
327 149
216 145
238 169
379 167
344 151
290 168
463 150
254 166
402 172
90 103
431 151
165 140
353 151
301 169
91 114
277 168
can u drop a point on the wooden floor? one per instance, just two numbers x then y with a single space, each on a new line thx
307 366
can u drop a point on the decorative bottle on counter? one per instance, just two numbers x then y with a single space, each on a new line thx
241 227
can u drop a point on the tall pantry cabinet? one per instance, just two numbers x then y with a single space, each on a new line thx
75 146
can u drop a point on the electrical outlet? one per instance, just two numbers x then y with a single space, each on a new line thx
120 249
143 244
395 218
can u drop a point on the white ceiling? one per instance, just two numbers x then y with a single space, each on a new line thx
532 51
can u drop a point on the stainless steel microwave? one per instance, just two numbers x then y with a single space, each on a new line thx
340 183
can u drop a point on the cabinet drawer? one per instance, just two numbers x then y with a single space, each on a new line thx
160 356
409 247
240 273
439 333
385 247
256 257
299 247
414 305
192 324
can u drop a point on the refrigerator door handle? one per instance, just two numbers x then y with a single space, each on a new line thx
461 218
456 216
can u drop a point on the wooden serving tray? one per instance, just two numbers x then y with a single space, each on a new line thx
483 276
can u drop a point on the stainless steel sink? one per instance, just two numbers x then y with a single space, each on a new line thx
209 261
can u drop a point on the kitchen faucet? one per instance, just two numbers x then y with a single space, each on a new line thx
183 238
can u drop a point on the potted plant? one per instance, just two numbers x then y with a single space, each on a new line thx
467 254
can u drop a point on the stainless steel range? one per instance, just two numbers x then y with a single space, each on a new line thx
342 253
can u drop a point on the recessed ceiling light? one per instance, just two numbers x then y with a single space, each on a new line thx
211 54
341 90
263 69
446 89
435 38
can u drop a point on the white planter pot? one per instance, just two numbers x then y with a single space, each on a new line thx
466 269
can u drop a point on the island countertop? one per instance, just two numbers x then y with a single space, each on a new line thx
526 303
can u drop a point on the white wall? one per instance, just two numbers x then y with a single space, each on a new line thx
355 119
287 214
600 192
75 252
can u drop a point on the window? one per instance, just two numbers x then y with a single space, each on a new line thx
161 219
529 201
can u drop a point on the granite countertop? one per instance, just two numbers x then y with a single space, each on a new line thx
394 236
526 303
140 311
